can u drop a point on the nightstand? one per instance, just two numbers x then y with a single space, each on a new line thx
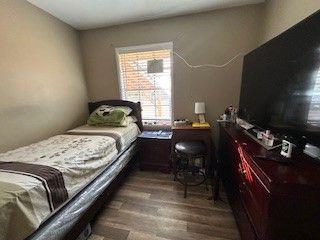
155 149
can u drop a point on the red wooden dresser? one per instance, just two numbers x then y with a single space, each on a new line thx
270 200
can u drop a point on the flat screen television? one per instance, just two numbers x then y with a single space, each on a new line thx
280 87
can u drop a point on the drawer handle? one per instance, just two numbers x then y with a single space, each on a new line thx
241 170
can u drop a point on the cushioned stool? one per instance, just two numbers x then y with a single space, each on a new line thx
189 163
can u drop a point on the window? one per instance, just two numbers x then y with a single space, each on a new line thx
145 76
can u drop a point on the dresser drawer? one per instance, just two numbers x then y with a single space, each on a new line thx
236 166
255 197
278 201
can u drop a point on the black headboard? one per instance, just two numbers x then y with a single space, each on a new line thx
136 108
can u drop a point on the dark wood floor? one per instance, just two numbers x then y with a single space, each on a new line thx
150 206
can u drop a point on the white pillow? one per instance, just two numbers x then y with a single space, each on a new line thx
128 120
103 109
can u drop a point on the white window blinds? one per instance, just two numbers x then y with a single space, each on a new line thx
145 76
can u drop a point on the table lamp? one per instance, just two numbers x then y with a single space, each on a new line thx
200 110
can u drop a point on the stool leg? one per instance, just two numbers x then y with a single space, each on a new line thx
206 181
174 168
186 177
185 182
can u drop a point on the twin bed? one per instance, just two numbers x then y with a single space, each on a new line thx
53 188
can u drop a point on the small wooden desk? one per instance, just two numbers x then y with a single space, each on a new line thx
189 133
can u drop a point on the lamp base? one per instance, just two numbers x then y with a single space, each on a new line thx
201 118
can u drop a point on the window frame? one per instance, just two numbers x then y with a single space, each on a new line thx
144 48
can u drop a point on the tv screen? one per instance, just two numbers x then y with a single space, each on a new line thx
281 82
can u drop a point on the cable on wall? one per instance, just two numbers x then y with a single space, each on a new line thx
208 65
204 65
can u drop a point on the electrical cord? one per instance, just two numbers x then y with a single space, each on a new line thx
207 65
203 65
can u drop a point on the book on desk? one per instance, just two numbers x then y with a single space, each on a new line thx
200 125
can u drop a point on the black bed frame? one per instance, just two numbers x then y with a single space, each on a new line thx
76 229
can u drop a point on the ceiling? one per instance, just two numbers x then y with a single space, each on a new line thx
86 14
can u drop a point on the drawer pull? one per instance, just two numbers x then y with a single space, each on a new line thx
241 170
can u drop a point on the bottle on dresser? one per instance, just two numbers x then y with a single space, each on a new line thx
267 138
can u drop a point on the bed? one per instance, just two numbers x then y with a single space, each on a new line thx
53 188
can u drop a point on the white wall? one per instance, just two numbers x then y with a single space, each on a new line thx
280 15
42 85
212 37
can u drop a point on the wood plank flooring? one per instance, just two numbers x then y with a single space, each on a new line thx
150 206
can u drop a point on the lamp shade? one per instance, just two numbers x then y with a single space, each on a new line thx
199 108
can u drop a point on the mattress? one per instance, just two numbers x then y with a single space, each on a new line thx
36 180
58 225
124 136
